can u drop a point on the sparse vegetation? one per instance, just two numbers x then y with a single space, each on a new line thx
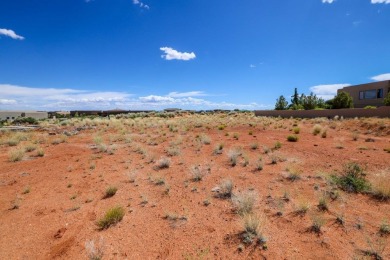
163 163
384 228
112 216
233 155
381 188
244 202
226 189
317 222
16 155
110 191
292 138
352 179
317 129
95 252
253 225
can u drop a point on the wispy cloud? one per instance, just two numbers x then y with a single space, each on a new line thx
187 94
380 1
24 97
141 4
381 77
171 54
20 97
11 33
327 91
328 1
252 66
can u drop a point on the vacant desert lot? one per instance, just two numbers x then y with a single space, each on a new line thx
324 196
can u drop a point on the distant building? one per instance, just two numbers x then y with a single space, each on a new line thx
172 109
370 94
12 115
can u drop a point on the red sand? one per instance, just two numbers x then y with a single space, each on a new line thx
48 224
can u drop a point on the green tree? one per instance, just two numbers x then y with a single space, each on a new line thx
309 102
342 100
281 103
387 99
295 98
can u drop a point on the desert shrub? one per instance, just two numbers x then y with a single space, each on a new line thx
40 152
205 139
173 151
316 129
233 155
370 107
324 133
317 222
163 163
97 140
244 202
381 188
112 216
198 172
226 189
218 149
254 146
95 252
384 228
30 148
259 164
296 130
352 179
13 142
16 155
252 228
292 138
323 204
110 191
277 145
294 175
102 148
302 207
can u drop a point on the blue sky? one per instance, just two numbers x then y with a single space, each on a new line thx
195 54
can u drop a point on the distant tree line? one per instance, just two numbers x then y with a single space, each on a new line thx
303 102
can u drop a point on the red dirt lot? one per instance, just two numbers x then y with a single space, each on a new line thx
50 204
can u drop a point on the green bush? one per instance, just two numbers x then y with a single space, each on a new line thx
25 120
110 191
352 179
292 138
387 99
370 107
112 216
342 100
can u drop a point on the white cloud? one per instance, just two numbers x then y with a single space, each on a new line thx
327 91
45 98
252 66
381 77
328 1
187 94
171 54
7 102
141 4
380 1
11 34
20 97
